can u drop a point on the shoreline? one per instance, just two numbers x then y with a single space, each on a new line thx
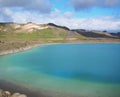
15 88
12 51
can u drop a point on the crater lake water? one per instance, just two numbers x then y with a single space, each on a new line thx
89 70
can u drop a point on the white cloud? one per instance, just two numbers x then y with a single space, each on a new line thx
42 6
5 14
80 5
65 19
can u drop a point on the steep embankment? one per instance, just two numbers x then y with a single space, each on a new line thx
18 37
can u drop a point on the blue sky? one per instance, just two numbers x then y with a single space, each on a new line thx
64 6
75 14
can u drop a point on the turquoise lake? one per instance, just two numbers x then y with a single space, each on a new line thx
89 70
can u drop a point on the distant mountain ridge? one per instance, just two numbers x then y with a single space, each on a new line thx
116 34
94 33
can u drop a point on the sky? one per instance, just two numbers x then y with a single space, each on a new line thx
75 14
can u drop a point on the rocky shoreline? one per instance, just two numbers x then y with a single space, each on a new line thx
9 89
28 47
9 94
19 49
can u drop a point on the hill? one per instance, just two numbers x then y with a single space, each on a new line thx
15 36
116 34
95 34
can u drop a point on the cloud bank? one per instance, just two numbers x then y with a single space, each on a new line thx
80 5
42 6
66 19
39 11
